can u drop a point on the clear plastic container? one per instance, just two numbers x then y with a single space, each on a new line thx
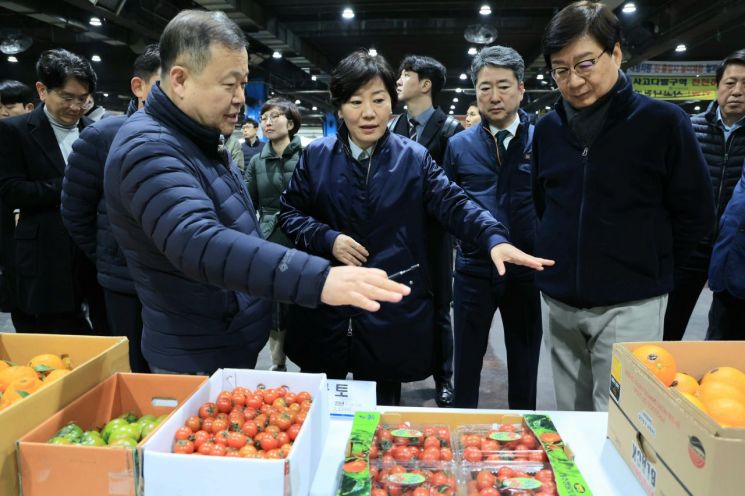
404 443
413 479
497 443
507 479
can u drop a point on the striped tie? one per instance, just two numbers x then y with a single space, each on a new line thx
412 129
501 136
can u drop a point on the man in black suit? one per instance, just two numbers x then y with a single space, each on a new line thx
421 79
53 276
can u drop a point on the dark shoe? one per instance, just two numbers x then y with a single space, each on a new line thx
444 396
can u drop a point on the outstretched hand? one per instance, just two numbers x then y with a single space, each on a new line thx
505 252
361 287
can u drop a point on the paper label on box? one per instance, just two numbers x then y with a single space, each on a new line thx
645 472
347 397
615 378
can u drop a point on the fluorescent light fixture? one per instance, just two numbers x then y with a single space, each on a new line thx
681 48
548 108
455 99
451 112
12 59
463 76
297 102
348 13
628 8
314 107
458 90
485 10
95 21
96 58
277 55
696 108
473 51
314 78
373 52
105 95
452 107
406 107
539 77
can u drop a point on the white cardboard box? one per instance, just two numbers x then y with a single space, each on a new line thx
167 473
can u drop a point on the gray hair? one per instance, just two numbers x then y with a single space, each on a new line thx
187 38
498 56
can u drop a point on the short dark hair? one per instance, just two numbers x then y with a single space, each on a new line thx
250 120
12 91
289 110
498 56
148 63
187 38
55 67
426 68
737 57
356 70
577 19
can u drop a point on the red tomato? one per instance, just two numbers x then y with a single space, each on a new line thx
249 428
205 449
194 423
183 446
221 437
201 437
270 395
443 434
290 398
373 453
269 442
472 454
489 491
420 491
431 442
224 402
219 425
236 440
431 454
232 452
217 450
283 438
248 451
254 402
446 454
207 424
250 413
239 398
485 479
284 421
471 440
183 433
207 410
303 395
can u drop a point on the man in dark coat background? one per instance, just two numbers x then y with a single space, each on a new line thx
53 275
421 79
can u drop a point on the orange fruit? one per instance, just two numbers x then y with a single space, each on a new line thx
659 361
728 412
711 390
685 383
55 374
14 373
697 402
4 365
728 375
46 363
20 388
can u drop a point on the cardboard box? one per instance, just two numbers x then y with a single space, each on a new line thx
92 471
184 475
94 359
671 446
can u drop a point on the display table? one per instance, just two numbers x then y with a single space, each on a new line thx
584 432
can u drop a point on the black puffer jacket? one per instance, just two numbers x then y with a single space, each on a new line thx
725 168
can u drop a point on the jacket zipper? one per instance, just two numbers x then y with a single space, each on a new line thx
721 186
349 329
585 152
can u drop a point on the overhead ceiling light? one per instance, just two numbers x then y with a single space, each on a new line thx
485 10
681 48
95 21
473 51
96 58
373 52
452 107
463 76
105 95
313 78
628 8
314 108
297 102
544 82
539 77
12 58
406 107
451 112
277 55
696 108
548 108
455 99
458 90
348 13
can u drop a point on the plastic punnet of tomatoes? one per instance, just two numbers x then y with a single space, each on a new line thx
261 423
412 478
497 442
507 479
406 442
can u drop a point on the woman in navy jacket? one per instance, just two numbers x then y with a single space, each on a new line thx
363 197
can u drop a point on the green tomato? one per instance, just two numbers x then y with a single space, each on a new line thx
162 418
147 418
130 417
92 441
149 427
124 442
117 422
129 430
59 440
71 431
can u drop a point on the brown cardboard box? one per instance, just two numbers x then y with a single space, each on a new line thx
88 470
672 446
94 359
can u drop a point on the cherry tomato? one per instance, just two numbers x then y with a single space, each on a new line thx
183 446
269 442
219 425
485 479
205 449
207 410
201 437
224 402
183 433
194 423
248 451
293 431
217 450
236 440
472 454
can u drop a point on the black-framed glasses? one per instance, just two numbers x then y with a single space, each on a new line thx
581 69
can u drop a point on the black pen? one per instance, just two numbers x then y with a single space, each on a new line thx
405 271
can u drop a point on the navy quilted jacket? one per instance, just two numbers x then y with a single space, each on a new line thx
727 271
185 222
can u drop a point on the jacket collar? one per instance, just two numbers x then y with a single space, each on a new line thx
621 95
132 107
42 133
522 116
292 148
434 124
163 109
342 137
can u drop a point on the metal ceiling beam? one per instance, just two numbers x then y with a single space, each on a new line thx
131 25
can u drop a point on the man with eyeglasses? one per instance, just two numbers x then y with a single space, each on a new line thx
53 276
622 196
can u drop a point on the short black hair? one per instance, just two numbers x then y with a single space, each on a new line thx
12 91
578 19
356 70
426 68
148 63
188 36
737 57
250 120
289 110
56 66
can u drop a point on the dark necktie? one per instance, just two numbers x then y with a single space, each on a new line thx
501 136
412 129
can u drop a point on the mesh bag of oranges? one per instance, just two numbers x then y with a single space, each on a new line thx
19 381
720 392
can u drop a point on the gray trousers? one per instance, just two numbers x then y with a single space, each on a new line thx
581 341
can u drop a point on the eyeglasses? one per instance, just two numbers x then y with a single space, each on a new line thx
581 69
271 117
69 99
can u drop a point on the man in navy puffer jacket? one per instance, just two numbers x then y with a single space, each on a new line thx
84 214
186 224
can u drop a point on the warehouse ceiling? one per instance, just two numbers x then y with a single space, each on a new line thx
312 36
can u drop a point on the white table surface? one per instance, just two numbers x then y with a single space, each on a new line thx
585 432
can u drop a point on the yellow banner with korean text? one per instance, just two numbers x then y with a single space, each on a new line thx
676 87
